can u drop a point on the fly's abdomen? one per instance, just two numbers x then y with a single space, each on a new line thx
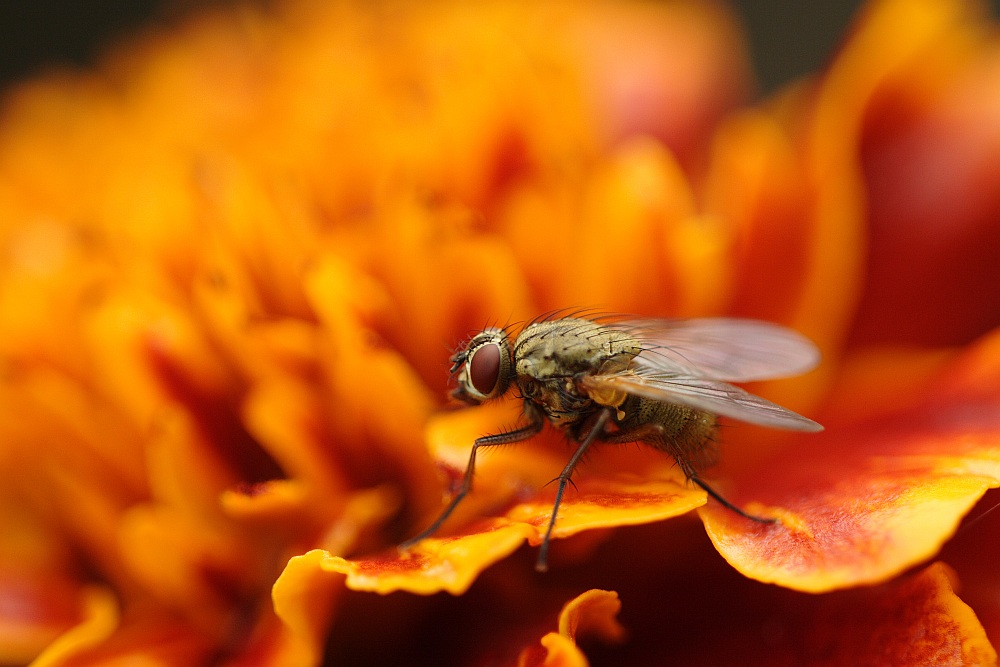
685 433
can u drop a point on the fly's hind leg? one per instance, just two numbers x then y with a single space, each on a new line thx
531 429
725 503
654 434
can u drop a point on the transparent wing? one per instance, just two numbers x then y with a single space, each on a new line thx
710 395
732 350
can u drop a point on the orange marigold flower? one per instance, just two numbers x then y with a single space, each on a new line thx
235 255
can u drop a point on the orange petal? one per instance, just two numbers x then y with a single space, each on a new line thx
661 70
592 613
845 531
356 370
452 563
915 621
181 563
269 504
303 597
877 381
148 636
632 224
607 502
755 183
614 489
928 144
287 419
502 473
683 605
859 504
556 650
38 607
41 595
100 621
970 552
435 564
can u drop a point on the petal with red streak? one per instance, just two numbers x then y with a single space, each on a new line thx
918 620
452 563
861 503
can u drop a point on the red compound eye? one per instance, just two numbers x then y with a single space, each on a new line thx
484 368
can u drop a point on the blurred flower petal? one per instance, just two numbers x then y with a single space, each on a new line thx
304 596
590 613
227 322
915 621
927 144
100 620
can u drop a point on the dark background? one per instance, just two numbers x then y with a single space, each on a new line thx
788 37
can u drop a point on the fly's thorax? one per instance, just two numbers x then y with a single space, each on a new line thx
549 355
558 398
572 346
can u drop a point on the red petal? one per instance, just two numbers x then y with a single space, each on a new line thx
863 503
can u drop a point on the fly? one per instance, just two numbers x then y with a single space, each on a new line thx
660 382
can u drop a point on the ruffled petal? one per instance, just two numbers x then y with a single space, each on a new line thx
512 484
435 564
452 563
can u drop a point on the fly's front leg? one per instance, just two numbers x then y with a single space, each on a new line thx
653 433
534 426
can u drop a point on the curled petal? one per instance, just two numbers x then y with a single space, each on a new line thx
593 612
556 650
304 596
606 494
100 619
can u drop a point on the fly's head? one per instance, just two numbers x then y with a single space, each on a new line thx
482 368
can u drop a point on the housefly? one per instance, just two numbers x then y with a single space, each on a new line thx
617 380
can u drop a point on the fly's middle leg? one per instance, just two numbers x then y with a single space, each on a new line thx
542 564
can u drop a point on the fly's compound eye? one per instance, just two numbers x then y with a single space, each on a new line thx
484 368
486 372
